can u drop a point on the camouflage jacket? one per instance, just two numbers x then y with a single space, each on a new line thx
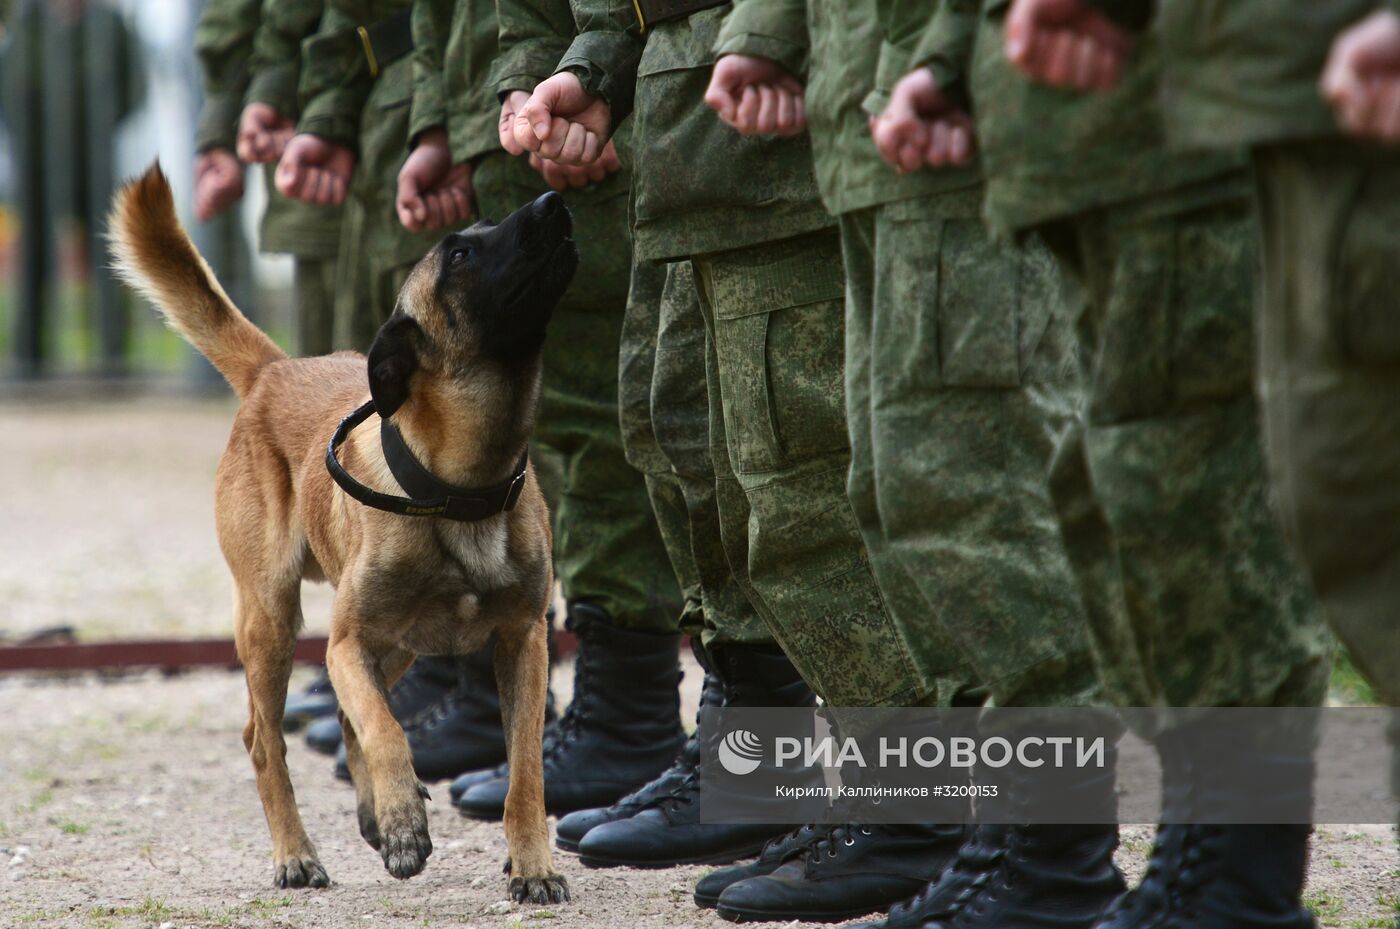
697 186
343 100
1048 154
849 63
229 41
469 52
1246 71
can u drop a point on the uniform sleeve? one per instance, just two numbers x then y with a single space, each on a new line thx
606 52
223 43
945 45
772 29
432 20
276 64
534 36
335 81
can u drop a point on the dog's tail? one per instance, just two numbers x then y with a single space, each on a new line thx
154 255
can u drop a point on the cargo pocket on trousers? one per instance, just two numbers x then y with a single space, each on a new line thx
950 300
1367 274
780 338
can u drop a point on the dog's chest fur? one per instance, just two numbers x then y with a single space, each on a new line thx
442 591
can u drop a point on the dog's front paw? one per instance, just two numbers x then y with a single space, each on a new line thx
305 871
369 826
404 842
551 888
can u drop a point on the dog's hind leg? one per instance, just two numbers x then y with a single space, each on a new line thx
391 667
522 676
386 762
265 624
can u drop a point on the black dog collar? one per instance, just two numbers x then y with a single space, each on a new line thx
431 496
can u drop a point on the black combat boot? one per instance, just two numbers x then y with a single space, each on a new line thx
315 702
621 729
573 827
667 831
1047 876
1147 905
323 735
843 871
1245 876
462 732
978 856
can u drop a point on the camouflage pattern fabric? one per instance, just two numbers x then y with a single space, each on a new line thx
1214 611
970 378
1328 378
663 356
313 297
775 319
1245 72
744 191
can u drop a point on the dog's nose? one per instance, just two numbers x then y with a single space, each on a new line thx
546 205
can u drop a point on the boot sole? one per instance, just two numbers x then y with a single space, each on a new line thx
725 857
734 915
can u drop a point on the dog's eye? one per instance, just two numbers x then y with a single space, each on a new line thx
458 254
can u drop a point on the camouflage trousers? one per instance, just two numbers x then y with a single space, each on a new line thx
1329 379
957 380
313 297
665 430
1205 606
774 318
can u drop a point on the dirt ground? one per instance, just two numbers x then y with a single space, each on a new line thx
129 801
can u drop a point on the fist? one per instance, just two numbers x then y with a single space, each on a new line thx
564 177
563 122
921 126
314 170
756 96
1362 78
218 182
263 133
1066 43
432 191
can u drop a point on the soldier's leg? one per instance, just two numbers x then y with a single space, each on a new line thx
1329 378
1213 600
1216 612
972 383
636 370
355 322
660 824
313 298
933 651
1329 372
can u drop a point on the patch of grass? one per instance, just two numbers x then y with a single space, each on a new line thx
37 775
1138 846
544 914
1374 922
1335 863
268 904
42 799
1324 904
68 827
1390 901
1348 684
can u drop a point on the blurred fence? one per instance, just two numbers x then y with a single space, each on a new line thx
90 92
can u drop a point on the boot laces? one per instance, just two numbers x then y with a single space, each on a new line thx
827 843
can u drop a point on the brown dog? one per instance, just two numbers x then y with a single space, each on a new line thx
457 370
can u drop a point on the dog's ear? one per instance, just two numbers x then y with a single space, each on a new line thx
392 360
